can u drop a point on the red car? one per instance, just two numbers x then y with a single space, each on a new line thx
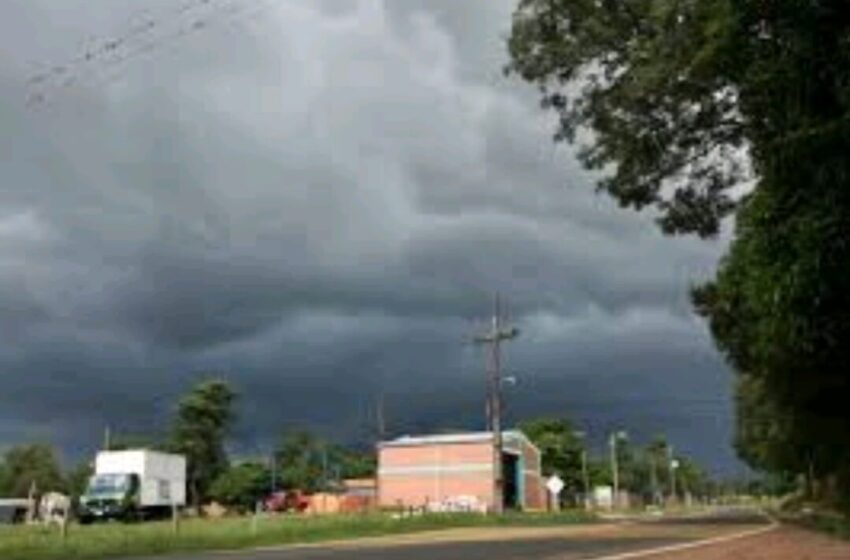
289 501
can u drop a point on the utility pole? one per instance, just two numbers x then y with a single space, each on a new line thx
585 477
614 470
673 465
493 339
107 439
653 477
615 467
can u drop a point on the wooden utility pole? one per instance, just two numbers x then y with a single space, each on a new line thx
613 440
653 477
585 477
493 339
615 470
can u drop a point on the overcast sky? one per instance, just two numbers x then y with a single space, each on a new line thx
316 200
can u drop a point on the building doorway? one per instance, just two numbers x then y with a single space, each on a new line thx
511 473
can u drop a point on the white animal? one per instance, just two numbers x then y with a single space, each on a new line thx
54 508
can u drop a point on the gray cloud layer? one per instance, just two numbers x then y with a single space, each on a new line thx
316 200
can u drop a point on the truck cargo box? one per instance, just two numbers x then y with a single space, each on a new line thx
162 476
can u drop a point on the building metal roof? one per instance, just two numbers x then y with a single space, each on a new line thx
460 437
14 502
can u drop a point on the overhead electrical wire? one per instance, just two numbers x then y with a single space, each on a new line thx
148 34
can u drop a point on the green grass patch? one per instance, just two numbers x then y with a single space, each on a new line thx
117 540
829 522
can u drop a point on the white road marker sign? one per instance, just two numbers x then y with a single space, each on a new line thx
555 484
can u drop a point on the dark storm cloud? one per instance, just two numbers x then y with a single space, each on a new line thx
316 200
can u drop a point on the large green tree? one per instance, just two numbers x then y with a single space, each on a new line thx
242 486
561 450
302 461
707 108
779 311
308 462
203 420
353 463
78 478
654 84
32 465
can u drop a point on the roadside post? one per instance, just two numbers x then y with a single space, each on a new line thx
674 466
175 519
32 505
63 523
555 486
255 519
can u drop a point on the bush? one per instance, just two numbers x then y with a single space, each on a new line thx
241 486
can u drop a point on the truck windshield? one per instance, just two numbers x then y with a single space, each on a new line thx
108 484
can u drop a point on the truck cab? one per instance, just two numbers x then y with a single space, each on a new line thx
110 496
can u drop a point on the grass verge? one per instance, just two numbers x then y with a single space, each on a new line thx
829 522
148 539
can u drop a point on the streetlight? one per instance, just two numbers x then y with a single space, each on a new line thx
674 465
584 474
612 441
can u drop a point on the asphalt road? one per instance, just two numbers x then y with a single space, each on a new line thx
560 543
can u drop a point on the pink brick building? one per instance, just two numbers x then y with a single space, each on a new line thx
452 468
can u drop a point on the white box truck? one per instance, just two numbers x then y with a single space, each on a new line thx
134 484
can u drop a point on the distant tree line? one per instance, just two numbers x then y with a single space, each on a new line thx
199 429
303 461
644 471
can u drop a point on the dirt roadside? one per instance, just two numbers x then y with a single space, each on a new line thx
784 543
465 534
623 532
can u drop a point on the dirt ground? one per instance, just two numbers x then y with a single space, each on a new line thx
783 543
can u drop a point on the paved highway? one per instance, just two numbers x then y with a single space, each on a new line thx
720 536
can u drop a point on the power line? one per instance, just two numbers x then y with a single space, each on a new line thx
148 36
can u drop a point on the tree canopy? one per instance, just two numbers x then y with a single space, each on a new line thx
26 465
704 109
242 486
779 312
674 93
653 82
203 420
309 463
560 450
